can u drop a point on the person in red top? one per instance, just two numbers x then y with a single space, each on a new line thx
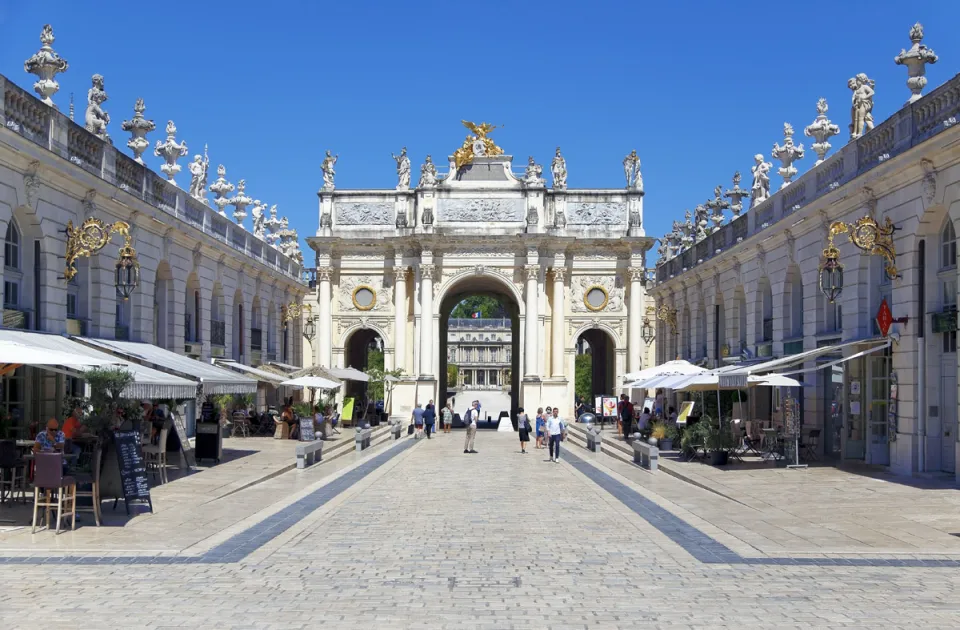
73 426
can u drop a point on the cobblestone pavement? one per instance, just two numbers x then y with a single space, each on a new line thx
420 535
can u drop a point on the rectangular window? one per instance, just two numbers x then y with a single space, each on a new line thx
949 294
71 306
950 341
11 294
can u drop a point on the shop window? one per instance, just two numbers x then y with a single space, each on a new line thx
948 246
11 294
950 341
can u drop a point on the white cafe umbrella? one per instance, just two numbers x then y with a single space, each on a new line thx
313 382
349 374
670 368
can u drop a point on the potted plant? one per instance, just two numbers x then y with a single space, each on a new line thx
665 433
692 437
719 440
225 403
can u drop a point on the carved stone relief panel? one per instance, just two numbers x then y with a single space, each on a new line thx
364 293
364 213
596 212
480 210
585 294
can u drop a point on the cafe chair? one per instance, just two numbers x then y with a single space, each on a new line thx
59 492
91 479
155 456
811 445
240 424
13 472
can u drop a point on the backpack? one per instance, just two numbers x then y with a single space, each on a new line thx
470 417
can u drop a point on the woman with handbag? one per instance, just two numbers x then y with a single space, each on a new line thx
540 423
523 428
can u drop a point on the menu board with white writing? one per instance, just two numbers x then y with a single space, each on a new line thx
133 467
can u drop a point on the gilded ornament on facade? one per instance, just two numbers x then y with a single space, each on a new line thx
359 304
476 144
668 315
92 236
596 304
291 312
870 236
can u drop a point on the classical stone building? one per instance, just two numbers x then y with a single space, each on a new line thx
753 288
564 262
208 287
482 350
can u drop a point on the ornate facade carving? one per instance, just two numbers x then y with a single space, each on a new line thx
929 182
31 184
170 151
596 213
95 120
558 168
364 213
348 284
46 64
403 169
787 154
916 60
476 210
760 189
821 130
329 173
579 285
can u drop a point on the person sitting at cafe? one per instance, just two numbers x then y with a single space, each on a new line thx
643 420
73 426
51 440
286 416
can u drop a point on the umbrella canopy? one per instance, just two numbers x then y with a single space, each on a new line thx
670 368
350 374
315 370
775 380
12 353
315 382
710 381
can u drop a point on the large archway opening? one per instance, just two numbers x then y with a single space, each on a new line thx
480 350
595 367
364 351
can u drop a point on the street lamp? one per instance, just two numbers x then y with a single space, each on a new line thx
92 236
647 331
309 328
866 234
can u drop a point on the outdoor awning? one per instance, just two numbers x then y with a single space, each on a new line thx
147 382
313 382
215 380
261 375
738 377
349 374
285 366
14 355
678 366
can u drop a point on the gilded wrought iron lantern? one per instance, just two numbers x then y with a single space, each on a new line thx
831 273
309 327
127 275
647 332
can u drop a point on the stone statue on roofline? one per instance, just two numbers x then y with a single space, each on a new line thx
327 166
198 176
428 174
532 175
403 169
861 111
559 170
631 171
760 189
258 219
95 119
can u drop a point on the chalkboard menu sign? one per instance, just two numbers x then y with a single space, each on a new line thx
208 413
133 468
306 429
185 447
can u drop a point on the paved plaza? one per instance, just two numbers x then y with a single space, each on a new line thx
419 535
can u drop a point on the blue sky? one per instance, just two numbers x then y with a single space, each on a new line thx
697 88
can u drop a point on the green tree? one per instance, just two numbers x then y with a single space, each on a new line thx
377 373
452 371
583 376
487 305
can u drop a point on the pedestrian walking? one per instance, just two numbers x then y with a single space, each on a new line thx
556 429
446 418
625 409
470 419
540 425
429 418
418 422
523 428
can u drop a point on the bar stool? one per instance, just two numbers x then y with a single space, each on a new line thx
91 479
60 492
13 471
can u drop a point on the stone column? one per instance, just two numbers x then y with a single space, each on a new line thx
533 316
324 339
559 323
400 318
427 269
635 344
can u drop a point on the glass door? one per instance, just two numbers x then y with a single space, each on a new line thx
854 443
833 410
878 413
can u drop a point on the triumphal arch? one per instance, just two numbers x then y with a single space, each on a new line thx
568 263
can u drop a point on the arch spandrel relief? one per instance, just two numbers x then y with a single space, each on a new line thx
364 293
584 288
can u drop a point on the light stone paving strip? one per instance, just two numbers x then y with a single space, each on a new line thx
496 540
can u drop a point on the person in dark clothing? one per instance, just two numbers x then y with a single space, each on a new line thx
626 416
429 418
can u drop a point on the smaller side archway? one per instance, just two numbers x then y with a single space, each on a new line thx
595 366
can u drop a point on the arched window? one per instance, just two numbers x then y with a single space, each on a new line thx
11 247
948 245
11 261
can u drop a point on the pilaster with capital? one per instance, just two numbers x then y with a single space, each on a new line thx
559 321
324 340
400 318
427 270
635 343
532 319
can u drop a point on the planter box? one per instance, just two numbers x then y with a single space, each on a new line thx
719 458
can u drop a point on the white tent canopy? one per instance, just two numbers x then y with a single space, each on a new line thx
670 368
14 353
314 382
349 374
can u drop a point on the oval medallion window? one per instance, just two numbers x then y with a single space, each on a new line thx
364 298
595 298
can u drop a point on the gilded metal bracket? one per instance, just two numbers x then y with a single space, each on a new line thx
668 315
869 236
291 311
92 236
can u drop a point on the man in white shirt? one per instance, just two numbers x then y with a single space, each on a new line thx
555 430
470 419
